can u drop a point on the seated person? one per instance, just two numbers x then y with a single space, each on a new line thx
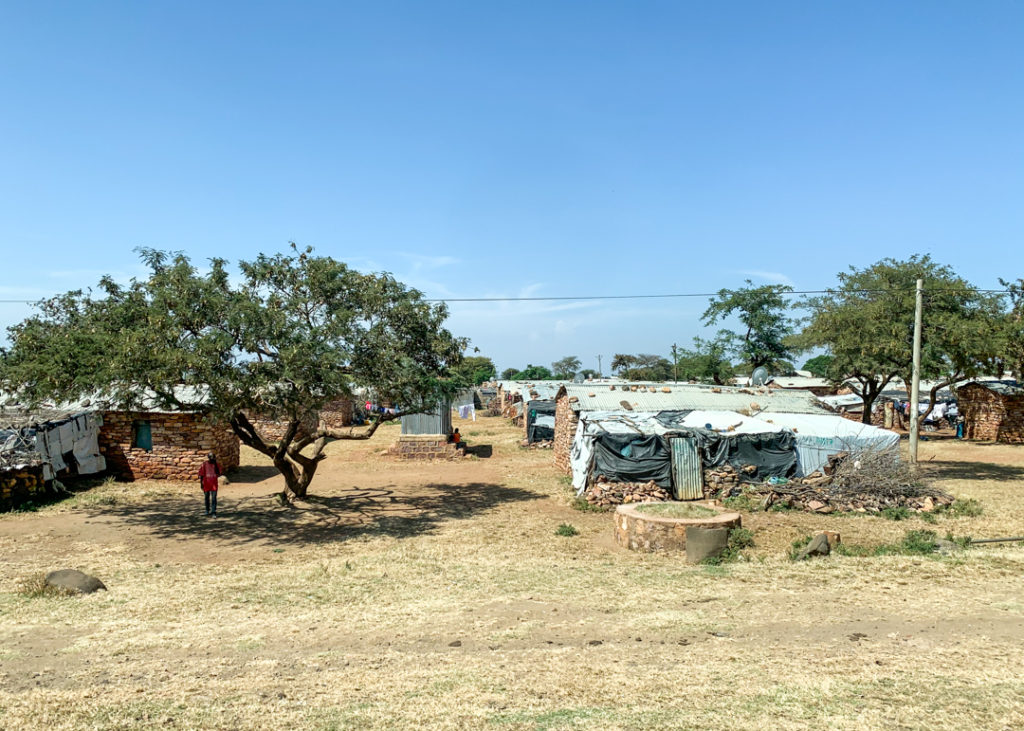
456 439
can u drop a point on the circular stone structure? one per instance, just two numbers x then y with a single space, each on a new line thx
641 531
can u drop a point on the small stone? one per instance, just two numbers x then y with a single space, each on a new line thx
817 547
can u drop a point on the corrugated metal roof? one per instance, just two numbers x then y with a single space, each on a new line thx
691 397
1001 387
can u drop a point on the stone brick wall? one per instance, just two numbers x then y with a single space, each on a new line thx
18 486
565 431
428 446
273 430
180 445
991 416
337 414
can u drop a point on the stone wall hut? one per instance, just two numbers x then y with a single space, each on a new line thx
655 397
992 411
155 444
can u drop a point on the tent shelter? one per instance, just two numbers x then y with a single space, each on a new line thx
818 436
666 448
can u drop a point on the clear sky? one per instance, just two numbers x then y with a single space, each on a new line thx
505 149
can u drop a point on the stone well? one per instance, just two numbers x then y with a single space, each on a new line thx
647 532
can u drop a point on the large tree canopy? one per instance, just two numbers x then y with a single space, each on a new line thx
706 362
294 333
567 367
867 325
475 369
642 367
763 311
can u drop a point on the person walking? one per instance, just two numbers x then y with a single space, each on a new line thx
209 473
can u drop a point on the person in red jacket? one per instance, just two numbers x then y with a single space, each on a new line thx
208 474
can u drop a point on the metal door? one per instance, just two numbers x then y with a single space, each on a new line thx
687 473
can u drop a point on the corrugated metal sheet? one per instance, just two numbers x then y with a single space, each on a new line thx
437 422
688 397
687 472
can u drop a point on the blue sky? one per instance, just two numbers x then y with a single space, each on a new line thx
508 149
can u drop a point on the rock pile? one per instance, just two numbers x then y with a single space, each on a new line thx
831 498
546 444
609 494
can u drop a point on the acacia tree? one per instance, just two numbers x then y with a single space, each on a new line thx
475 369
297 332
707 361
763 312
1012 355
642 367
567 367
867 326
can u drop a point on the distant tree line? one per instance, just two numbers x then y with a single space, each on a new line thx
862 330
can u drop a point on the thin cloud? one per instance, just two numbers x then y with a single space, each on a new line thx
421 261
773 277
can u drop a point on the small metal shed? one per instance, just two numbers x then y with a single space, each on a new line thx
438 421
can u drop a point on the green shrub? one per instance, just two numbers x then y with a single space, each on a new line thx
566 529
798 545
896 512
919 542
969 508
584 506
739 539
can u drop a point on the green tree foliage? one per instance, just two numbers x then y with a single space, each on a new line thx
567 367
707 362
1012 351
642 367
818 365
589 373
533 373
297 331
763 311
867 325
475 369
509 374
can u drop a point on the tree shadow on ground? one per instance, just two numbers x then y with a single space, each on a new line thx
953 470
356 513
251 474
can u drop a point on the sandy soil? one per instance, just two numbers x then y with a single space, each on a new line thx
438 595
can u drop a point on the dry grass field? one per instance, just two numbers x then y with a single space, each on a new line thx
439 596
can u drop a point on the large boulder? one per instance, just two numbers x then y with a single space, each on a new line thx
75 581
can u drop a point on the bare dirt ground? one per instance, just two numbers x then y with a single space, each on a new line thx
438 595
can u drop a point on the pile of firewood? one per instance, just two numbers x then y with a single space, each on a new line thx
544 444
831 498
494 407
609 494
866 482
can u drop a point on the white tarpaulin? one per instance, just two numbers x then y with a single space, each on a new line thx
818 436
592 423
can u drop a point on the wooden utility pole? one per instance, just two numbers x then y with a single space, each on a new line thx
675 364
915 378
599 373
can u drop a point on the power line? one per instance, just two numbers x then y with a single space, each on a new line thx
585 298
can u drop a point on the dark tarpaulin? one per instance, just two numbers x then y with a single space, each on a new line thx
635 458
773 454
540 434
535 432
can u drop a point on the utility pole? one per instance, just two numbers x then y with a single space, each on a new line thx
675 364
599 373
915 379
